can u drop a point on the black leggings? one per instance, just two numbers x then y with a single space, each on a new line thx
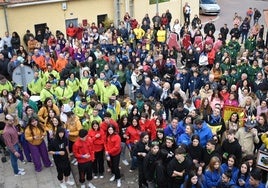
85 171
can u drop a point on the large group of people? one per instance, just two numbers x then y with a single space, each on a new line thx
154 89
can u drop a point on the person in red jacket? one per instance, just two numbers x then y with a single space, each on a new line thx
98 137
83 151
108 121
133 136
112 152
148 125
71 31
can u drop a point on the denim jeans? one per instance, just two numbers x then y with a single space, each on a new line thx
14 159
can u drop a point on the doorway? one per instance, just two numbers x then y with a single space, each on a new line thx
101 18
41 27
74 21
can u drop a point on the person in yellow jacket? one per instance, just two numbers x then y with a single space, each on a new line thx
161 35
50 71
63 93
107 91
139 33
84 79
73 83
44 110
36 85
47 92
35 134
81 109
100 84
5 84
72 125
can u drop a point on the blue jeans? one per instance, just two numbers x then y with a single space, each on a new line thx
14 160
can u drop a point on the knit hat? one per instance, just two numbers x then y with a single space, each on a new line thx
83 133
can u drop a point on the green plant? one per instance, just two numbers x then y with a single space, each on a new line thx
107 22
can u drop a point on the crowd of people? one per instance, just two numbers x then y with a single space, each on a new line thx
156 89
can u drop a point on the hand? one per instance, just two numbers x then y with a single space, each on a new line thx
51 152
97 135
17 154
108 158
86 156
61 152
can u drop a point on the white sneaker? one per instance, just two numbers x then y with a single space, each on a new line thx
62 185
95 177
21 169
125 162
69 182
20 173
119 183
90 185
101 176
73 161
112 178
83 186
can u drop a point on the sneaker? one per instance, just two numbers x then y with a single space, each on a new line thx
95 177
51 165
69 182
90 185
20 173
108 170
73 161
119 183
62 185
24 162
21 169
101 176
131 170
125 162
83 186
112 178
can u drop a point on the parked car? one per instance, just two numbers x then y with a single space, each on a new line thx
209 7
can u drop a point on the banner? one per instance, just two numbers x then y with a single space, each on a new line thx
228 110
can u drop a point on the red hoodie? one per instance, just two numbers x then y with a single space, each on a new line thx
81 148
133 134
98 143
149 127
113 144
104 125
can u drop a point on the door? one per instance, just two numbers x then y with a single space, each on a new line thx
101 18
41 27
74 21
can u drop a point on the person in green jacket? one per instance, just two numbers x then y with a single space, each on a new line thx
26 101
73 83
253 70
47 92
63 92
100 84
49 71
107 91
250 43
84 79
36 85
81 109
5 84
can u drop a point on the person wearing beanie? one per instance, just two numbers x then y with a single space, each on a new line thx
83 151
58 147
178 168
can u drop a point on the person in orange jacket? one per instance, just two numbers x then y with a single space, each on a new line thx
61 63
112 152
83 151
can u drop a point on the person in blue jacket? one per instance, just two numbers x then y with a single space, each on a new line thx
195 82
230 165
241 177
173 129
213 173
185 138
255 179
226 180
203 131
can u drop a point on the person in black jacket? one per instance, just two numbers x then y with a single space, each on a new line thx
210 152
140 151
195 150
149 164
231 146
58 147
209 27
178 168
235 32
